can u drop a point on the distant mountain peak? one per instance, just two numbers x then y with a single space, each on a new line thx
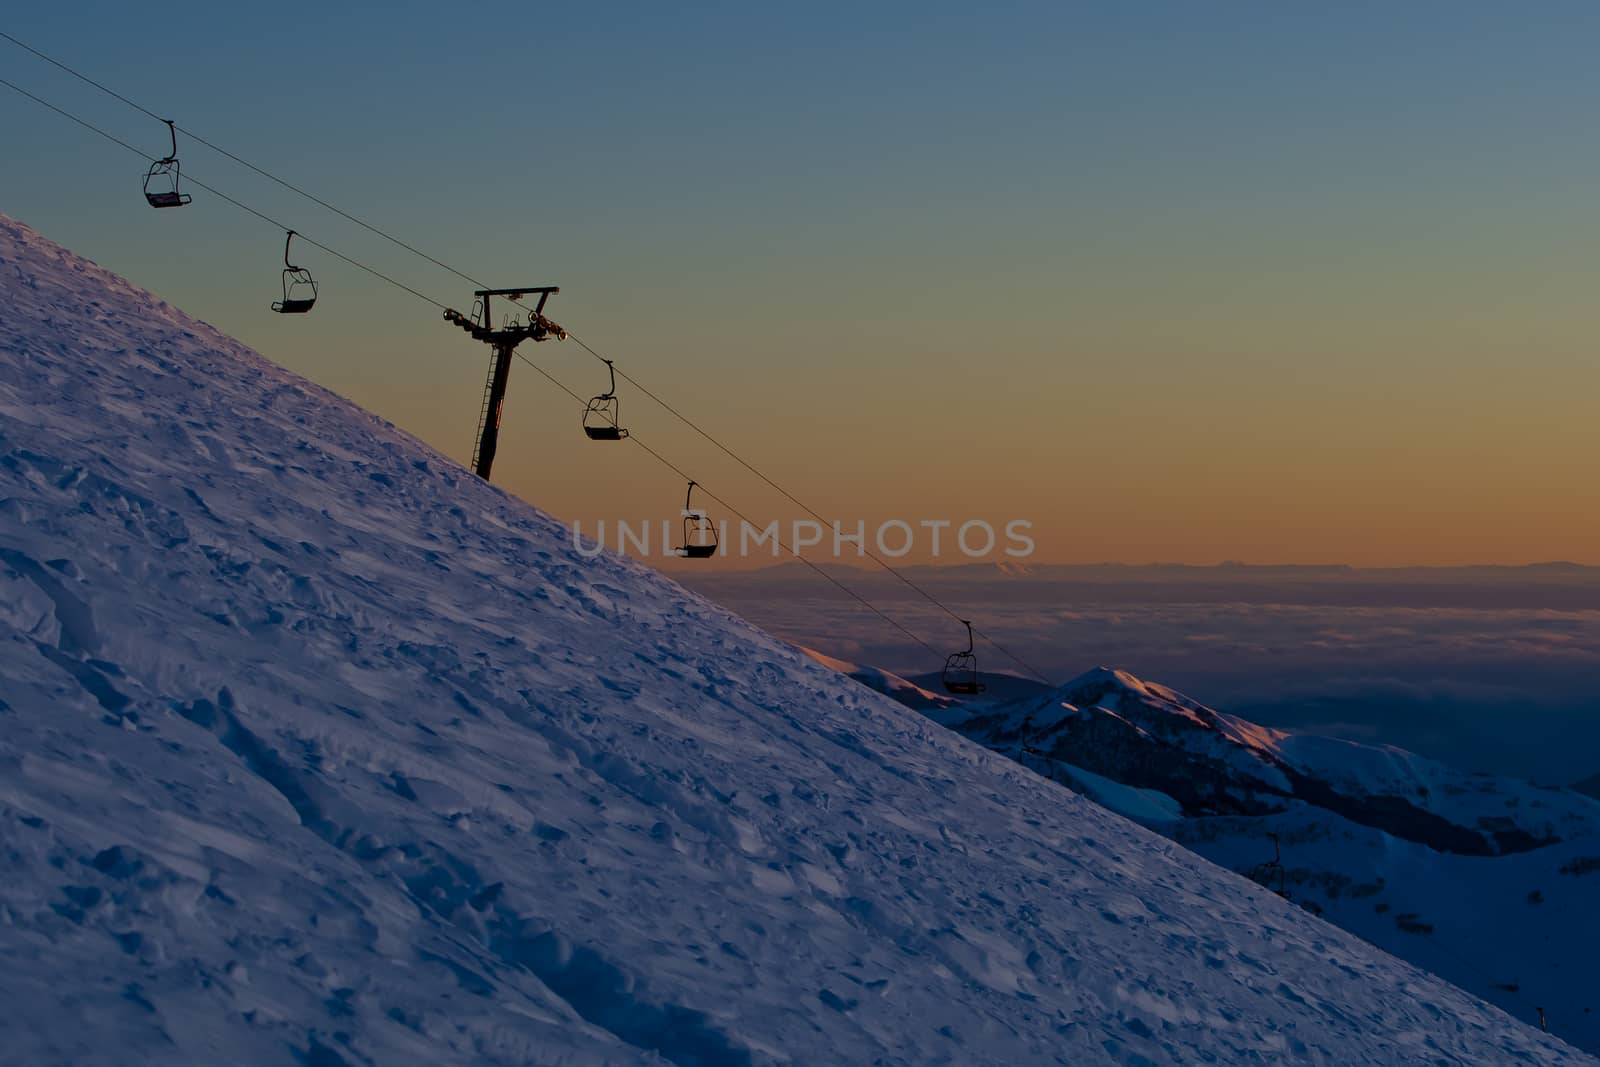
1111 723
1108 677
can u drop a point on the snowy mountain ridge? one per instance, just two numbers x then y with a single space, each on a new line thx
1397 848
1115 725
318 750
888 683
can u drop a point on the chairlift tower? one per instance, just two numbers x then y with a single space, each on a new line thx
504 341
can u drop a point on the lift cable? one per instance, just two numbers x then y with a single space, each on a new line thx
193 136
726 506
680 416
430 300
224 196
645 390
941 605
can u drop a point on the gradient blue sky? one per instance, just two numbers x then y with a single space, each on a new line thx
1174 281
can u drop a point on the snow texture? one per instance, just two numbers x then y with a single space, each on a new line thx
316 750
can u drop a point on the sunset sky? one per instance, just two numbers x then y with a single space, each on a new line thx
1174 282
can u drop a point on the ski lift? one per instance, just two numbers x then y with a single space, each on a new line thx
961 669
161 180
699 536
299 289
600 417
1270 872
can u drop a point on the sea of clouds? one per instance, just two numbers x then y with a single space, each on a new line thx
1487 668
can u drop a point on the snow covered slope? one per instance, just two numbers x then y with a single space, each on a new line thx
316 750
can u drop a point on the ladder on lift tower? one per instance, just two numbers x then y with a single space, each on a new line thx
483 411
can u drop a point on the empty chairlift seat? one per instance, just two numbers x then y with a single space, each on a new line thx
699 533
162 182
602 418
961 669
299 288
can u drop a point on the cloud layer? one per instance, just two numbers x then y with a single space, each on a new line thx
1502 688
